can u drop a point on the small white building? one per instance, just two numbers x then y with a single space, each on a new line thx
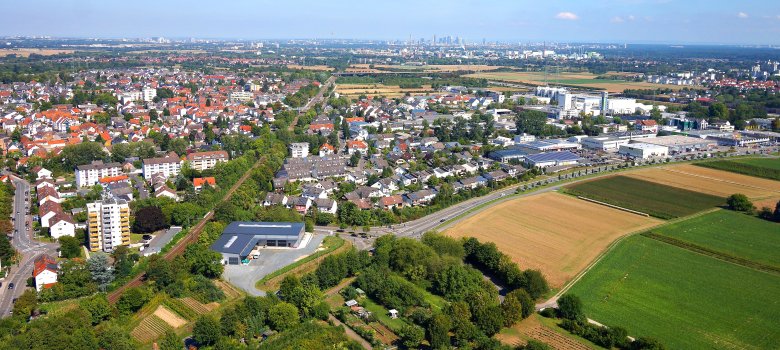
643 150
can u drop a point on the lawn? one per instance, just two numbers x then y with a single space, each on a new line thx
656 199
730 233
687 300
768 168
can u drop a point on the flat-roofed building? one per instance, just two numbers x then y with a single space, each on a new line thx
643 150
168 166
206 160
108 224
240 238
89 175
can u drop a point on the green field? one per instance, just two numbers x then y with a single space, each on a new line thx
685 299
730 233
658 200
768 168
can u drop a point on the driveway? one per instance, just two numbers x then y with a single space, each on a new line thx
271 259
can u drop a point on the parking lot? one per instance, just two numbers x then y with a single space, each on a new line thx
270 260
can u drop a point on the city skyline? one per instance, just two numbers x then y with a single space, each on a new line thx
608 21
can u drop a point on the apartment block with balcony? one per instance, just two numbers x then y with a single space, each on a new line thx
168 166
90 174
206 160
108 224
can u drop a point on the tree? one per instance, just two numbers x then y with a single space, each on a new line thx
98 307
438 331
204 261
70 247
206 330
170 341
531 122
132 300
304 297
740 202
115 338
511 309
100 270
776 213
6 250
283 316
570 307
26 303
536 283
411 336
149 219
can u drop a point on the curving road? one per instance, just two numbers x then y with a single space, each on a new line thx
27 248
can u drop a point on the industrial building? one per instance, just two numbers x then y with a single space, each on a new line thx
241 238
682 144
643 150
544 160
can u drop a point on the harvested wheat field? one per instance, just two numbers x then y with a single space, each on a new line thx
555 233
169 317
26 52
711 181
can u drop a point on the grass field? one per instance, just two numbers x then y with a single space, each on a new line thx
658 200
555 233
731 233
687 300
579 79
423 69
768 168
710 181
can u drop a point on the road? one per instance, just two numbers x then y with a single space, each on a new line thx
27 248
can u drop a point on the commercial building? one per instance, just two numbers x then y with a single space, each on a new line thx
168 166
242 96
680 144
241 238
90 174
149 94
643 150
544 160
206 160
604 143
299 149
108 224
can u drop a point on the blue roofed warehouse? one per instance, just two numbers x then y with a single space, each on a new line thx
240 238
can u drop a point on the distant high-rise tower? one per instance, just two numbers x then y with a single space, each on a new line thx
604 103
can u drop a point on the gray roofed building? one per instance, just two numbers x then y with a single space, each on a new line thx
240 238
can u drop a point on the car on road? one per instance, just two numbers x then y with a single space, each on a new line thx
442 220
14 301
11 285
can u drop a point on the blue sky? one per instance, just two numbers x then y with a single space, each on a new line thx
631 21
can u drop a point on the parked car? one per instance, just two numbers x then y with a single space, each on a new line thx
11 285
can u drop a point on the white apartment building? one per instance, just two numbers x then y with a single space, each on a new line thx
299 149
90 174
242 96
149 94
108 224
168 166
206 160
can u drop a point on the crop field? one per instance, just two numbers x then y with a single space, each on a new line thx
30 51
424 69
555 233
768 168
579 79
171 318
685 299
150 328
710 181
658 200
730 233
317 67
544 330
390 91
197 306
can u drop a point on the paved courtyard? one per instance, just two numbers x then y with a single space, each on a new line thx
271 259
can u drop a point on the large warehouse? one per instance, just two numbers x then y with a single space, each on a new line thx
240 238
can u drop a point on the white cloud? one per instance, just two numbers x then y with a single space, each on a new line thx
631 17
568 16
617 20
742 15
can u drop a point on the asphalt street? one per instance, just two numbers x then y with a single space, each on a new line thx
27 248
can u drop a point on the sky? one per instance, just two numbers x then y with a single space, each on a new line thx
611 21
